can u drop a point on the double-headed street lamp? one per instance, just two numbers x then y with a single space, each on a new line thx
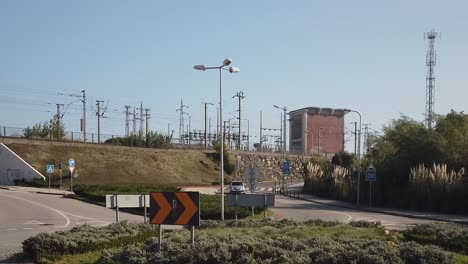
226 63
359 155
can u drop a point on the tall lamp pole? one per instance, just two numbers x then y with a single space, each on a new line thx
359 155
226 63
284 135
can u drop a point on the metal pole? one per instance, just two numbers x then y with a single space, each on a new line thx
116 208
71 180
221 169
84 116
206 127
359 161
284 131
61 184
248 135
370 194
261 131
192 237
49 182
355 138
144 206
159 237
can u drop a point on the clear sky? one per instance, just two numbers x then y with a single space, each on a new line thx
365 55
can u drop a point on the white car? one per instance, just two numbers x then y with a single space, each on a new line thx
237 187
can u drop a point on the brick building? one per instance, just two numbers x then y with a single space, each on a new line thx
315 130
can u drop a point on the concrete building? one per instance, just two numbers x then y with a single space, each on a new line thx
315 130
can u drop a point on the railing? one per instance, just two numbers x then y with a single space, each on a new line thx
15 132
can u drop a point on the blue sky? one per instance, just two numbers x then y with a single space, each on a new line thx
365 55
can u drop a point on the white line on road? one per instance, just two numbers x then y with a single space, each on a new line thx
12 229
28 228
50 208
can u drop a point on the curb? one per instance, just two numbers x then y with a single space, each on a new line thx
384 212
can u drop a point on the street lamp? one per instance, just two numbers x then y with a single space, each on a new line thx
203 67
284 135
359 155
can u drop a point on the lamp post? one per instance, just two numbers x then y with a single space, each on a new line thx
359 156
203 67
284 135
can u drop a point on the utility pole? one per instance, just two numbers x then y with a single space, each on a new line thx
355 138
240 96
261 139
127 119
83 121
181 122
99 115
147 116
58 121
366 138
134 121
206 124
142 121
284 126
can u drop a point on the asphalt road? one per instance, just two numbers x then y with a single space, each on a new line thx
297 209
25 214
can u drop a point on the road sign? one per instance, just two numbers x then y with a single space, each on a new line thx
286 168
371 173
175 208
50 168
248 200
71 163
252 174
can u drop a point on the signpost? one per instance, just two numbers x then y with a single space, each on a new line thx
252 174
50 170
286 170
175 208
71 166
127 201
251 200
371 177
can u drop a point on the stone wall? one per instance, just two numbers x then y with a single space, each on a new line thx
271 166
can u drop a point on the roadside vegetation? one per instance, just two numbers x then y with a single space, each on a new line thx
418 168
267 241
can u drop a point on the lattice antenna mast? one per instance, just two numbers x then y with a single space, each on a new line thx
182 116
127 121
430 78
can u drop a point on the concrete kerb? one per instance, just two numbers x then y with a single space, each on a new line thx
462 222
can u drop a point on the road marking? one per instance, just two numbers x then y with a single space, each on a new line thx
348 219
27 228
50 208
34 222
43 227
12 229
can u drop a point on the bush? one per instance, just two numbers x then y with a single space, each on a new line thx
448 236
85 238
342 251
414 253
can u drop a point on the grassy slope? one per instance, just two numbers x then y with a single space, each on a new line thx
115 165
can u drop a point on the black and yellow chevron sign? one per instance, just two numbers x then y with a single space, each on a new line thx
175 208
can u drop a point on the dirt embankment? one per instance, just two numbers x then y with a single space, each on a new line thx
98 164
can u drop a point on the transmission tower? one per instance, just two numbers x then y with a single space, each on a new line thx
241 96
182 116
127 121
142 120
430 78
135 118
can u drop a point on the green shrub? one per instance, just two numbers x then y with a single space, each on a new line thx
414 253
365 224
448 236
85 238
342 251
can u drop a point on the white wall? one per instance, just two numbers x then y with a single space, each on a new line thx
12 168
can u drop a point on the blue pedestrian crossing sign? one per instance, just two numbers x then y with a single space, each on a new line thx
286 168
50 168
71 163
371 173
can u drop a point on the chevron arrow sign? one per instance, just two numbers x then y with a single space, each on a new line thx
175 208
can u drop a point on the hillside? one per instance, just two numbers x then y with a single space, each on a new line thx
98 164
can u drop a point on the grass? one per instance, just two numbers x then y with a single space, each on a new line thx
85 258
462 259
